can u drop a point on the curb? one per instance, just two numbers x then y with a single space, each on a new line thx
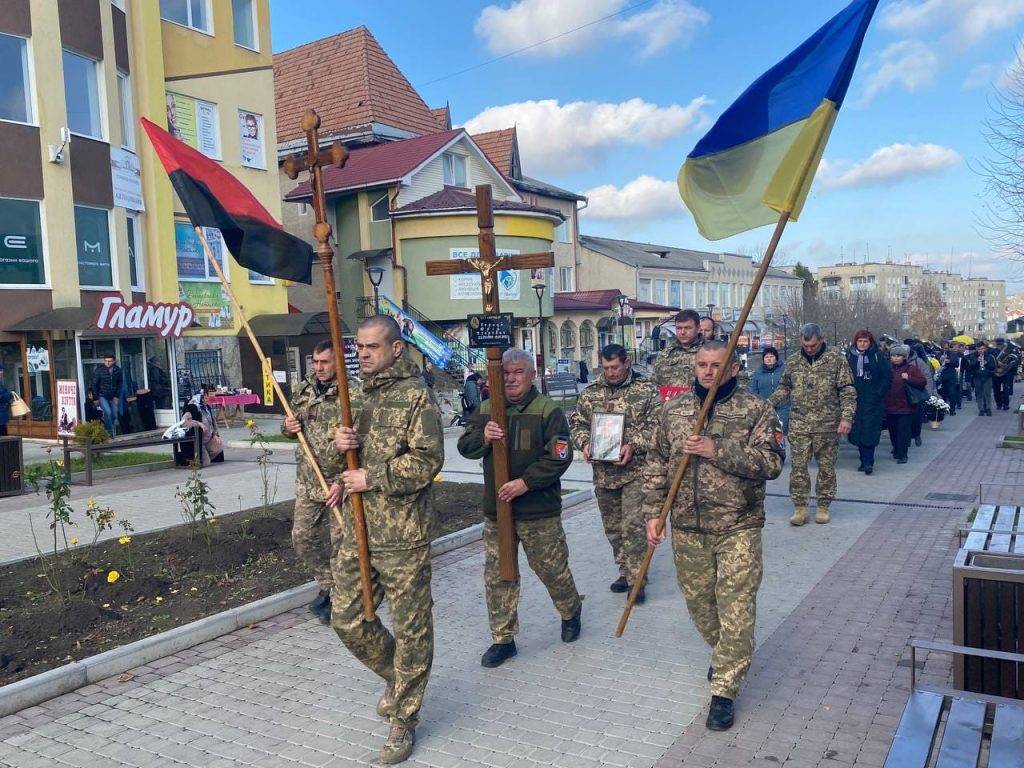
55 682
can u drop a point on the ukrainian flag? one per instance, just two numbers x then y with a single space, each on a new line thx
759 159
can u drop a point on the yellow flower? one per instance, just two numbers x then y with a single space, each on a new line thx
74 542
212 520
125 540
91 504
112 577
438 478
106 605
194 589
250 424
158 599
60 462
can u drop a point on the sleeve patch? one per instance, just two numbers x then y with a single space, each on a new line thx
561 447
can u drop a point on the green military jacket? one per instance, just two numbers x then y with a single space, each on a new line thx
402 449
676 366
540 452
726 493
635 397
820 392
320 415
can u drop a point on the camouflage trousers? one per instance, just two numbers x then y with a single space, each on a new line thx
719 576
548 555
624 525
404 659
314 538
824 447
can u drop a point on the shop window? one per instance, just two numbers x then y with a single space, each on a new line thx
92 238
82 95
243 18
21 243
15 83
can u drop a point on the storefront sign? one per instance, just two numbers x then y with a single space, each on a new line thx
67 407
468 286
169 320
126 175
268 383
490 330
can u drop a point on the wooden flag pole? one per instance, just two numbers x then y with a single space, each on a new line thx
339 361
702 416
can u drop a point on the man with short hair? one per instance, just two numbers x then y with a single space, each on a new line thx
708 328
317 413
540 452
401 449
1007 362
980 366
718 513
674 369
106 389
619 390
819 387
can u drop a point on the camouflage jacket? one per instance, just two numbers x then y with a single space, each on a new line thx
820 392
402 449
726 493
320 414
676 366
638 399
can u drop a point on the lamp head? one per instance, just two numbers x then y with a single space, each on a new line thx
376 275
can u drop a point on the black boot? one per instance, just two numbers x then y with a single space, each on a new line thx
321 607
641 596
571 627
498 654
868 470
711 673
619 585
720 714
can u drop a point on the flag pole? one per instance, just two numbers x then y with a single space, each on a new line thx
698 427
339 359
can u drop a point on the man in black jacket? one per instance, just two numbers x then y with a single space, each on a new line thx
106 389
540 452
980 365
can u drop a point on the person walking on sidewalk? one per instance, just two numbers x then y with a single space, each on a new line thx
899 408
6 398
540 452
674 367
820 389
765 380
619 390
106 389
871 376
316 413
981 365
718 514
401 449
948 379
1007 362
919 358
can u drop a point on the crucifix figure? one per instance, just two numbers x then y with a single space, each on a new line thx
314 160
487 263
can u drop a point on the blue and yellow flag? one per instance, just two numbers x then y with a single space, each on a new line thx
759 159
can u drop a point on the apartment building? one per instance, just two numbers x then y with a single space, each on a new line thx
86 211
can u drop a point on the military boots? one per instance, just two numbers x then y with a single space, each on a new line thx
799 516
821 514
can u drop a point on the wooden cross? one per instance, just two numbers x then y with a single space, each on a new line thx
488 264
315 160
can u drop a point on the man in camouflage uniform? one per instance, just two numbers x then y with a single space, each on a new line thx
717 515
617 483
539 454
674 368
316 413
401 449
818 385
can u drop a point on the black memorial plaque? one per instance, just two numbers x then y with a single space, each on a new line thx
490 330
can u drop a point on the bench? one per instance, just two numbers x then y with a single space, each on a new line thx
89 450
561 386
1020 418
946 727
996 528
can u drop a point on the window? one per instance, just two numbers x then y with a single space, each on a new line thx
205 367
92 239
82 95
562 233
688 296
194 14
644 294
195 122
659 291
566 282
454 170
243 18
21 243
119 3
713 295
675 291
192 262
379 211
701 288
124 97
15 88
250 139
136 265
303 209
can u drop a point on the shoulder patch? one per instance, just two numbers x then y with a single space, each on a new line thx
561 447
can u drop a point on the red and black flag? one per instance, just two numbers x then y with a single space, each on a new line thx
214 198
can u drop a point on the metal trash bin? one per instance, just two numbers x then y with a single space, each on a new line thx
12 467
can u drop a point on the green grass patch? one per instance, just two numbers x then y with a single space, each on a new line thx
970 517
277 437
110 460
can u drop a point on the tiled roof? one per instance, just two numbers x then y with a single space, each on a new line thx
443 118
497 145
651 306
456 199
578 301
350 81
379 164
537 187
660 256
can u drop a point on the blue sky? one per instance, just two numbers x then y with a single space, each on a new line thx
612 109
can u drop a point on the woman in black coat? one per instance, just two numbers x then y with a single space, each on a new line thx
871 376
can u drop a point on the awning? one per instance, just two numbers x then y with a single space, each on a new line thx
373 253
63 319
293 324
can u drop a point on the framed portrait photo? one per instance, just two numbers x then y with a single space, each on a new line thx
606 432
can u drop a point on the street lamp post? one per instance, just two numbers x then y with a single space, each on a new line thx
711 311
538 288
623 299
376 276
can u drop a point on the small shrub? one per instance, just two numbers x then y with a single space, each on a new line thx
91 431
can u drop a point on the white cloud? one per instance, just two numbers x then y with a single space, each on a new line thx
888 165
528 22
909 64
644 198
557 138
1003 76
969 20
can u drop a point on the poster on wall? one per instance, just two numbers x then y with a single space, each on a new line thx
250 135
436 350
209 302
38 359
21 243
192 261
194 122
67 407
126 177
468 286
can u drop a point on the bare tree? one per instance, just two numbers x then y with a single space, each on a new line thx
928 312
840 316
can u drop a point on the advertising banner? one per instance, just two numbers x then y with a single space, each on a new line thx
21 249
192 261
208 301
468 286
194 122
436 350
126 176
67 407
250 136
